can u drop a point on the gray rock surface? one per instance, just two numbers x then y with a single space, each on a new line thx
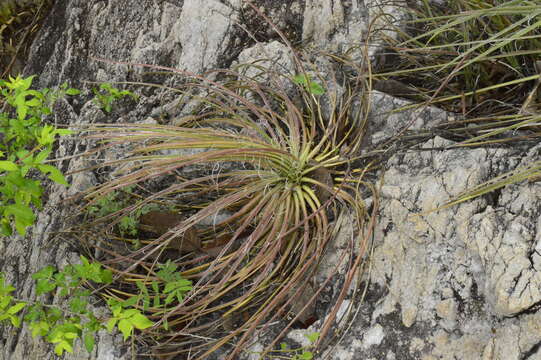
273 56
339 26
460 283
387 122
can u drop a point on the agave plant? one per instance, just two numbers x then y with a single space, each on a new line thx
292 165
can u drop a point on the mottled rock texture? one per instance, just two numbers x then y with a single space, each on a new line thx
460 283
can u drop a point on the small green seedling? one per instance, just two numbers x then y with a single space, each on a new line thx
302 353
173 287
116 201
8 306
126 319
312 87
107 94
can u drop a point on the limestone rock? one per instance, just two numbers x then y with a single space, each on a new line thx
451 278
337 26
386 122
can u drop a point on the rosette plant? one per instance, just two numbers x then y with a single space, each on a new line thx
274 162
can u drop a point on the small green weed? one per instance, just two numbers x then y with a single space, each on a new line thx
312 87
116 201
169 288
175 287
127 319
62 326
107 94
302 353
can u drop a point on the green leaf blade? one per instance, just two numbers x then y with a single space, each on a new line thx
8 165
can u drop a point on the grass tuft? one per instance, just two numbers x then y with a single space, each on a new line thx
479 59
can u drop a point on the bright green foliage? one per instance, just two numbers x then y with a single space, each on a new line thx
63 326
106 95
8 306
63 336
50 322
70 277
312 337
25 144
312 87
173 287
127 319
